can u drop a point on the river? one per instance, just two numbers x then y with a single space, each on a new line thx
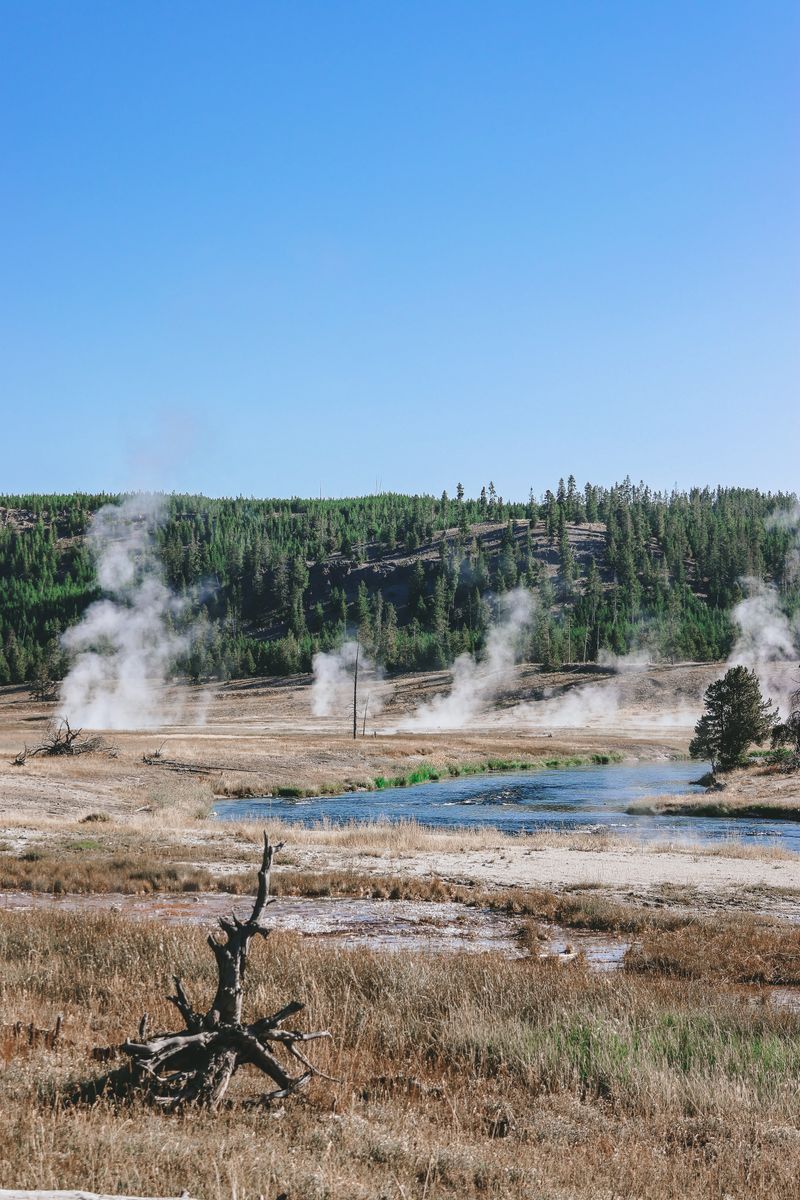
563 799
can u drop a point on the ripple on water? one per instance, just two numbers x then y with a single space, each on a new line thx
565 799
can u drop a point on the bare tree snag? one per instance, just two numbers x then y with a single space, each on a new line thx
195 1065
355 694
63 739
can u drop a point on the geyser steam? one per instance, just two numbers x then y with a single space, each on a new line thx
767 641
332 688
476 683
595 703
125 645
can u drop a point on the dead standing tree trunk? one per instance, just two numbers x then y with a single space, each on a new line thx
195 1065
355 695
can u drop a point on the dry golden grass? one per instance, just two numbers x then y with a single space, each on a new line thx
741 951
461 1077
180 817
410 837
71 870
671 937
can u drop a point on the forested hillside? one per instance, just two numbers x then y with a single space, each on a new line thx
270 581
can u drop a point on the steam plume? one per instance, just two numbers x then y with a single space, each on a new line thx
332 687
595 704
124 646
767 642
475 684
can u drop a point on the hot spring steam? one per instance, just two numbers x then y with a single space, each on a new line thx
123 649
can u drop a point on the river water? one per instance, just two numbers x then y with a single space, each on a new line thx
564 799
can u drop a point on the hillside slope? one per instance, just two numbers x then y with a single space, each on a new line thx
266 583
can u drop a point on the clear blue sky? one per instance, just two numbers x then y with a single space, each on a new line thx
268 248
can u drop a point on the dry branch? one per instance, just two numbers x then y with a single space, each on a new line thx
63 739
195 1064
174 764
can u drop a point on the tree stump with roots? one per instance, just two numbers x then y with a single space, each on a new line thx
196 1064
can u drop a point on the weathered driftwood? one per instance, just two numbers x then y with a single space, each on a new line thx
156 759
195 1065
14 1194
63 739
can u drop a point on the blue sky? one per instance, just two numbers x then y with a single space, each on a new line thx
278 248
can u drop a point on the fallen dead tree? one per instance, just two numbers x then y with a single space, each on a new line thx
196 1064
156 759
172 764
63 739
14 1194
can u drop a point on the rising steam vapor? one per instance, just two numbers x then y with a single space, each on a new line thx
595 704
124 646
475 684
767 641
332 687
624 664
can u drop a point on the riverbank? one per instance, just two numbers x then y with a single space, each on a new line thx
146 856
259 737
755 791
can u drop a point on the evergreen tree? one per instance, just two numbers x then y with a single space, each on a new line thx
417 588
736 715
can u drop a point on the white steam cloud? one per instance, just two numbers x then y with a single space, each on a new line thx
125 645
767 641
595 704
477 683
332 687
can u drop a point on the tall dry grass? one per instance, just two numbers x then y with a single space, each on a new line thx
180 820
740 951
461 1077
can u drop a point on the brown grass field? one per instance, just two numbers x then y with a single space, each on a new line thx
458 1074
464 1076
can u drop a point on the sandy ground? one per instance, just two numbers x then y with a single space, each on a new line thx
263 736
674 877
263 733
751 787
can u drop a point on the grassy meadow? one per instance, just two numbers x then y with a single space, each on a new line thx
458 1076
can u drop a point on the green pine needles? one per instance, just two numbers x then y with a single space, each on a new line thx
736 716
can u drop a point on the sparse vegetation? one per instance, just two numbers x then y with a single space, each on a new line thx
471 1077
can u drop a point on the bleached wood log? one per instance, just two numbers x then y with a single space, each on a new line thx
195 1065
15 1194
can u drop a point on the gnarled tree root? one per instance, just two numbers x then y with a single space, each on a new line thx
196 1064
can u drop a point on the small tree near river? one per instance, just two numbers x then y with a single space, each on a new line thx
787 734
736 716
